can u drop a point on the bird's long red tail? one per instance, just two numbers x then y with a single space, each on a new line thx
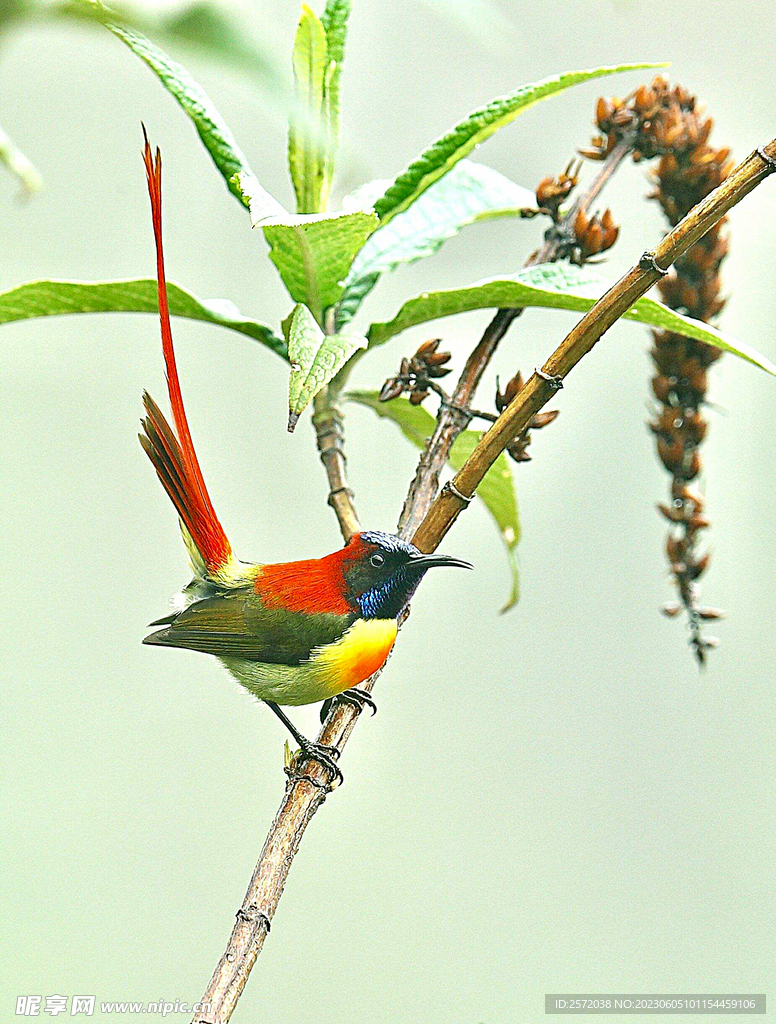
173 456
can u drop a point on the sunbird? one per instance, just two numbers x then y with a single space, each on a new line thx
293 632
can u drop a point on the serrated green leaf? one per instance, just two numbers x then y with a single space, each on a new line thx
18 164
58 298
443 154
313 254
470 192
307 140
315 358
557 286
192 98
496 490
304 338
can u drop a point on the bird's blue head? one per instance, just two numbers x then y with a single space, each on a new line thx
384 573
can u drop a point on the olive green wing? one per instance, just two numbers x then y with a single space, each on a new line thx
238 625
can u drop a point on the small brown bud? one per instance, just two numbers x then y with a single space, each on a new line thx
671 609
437 358
671 453
581 222
699 568
603 111
543 419
418 396
710 614
428 347
699 522
662 387
391 389
673 515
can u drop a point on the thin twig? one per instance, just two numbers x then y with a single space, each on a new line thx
306 789
450 422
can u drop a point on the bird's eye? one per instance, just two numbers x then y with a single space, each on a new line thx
377 560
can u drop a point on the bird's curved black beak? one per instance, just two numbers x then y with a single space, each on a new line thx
429 561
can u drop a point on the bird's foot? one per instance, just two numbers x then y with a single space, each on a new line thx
360 698
355 696
324 756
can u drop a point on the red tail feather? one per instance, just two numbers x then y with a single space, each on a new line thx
174 457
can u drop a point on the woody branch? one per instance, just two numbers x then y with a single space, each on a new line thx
307 787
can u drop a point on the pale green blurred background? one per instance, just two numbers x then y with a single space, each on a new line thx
554 800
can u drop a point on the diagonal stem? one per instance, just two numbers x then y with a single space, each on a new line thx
450 422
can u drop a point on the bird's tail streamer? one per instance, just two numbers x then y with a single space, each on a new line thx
172 452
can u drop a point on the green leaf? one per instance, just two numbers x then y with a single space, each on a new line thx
496 491
313 253
335 23
470 192
557 286
58 298
443 154
193 99
307 140
18 164
315 358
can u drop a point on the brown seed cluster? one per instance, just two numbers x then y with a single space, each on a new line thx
594 234
517 448
417 374
551 193
668 124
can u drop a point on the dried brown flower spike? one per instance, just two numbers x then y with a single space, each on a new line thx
668 123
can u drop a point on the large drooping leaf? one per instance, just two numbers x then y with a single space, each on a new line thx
192 98
443 154
307 131
58 298
18 164
313 253
497 489
557 286
315 358
469 193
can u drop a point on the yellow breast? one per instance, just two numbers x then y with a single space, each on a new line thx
357 655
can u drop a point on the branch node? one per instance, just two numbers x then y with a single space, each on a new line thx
339 490
297 776
450 487
648 262
252 915
554 380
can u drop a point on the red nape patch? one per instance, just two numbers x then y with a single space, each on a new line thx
315 585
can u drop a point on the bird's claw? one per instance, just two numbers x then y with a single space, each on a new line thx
354 696
324 756
359 698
